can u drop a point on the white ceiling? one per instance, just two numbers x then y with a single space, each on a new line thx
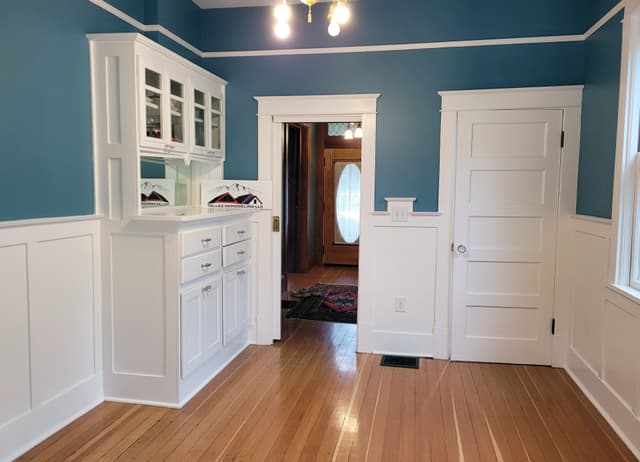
240 3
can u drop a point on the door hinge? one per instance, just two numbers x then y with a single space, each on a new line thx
275 223
553 326
452 248
562 139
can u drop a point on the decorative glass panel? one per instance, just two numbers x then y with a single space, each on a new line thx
347 182
216 104
153 114
215 131
177 89
338 128
152 79
199 125
198 96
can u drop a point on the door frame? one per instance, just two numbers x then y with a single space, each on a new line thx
566 98
273 112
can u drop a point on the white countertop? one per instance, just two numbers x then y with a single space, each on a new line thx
190 214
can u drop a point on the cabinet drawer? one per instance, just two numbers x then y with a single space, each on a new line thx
236 233
200 265
200 240
236 253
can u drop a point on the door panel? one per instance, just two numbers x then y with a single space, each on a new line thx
341 206
192 354
212 316
507 176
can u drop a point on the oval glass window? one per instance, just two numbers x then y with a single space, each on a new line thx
348 203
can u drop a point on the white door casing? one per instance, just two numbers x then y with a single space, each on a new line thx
505 230
274 111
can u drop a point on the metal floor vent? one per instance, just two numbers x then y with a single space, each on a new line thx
400 361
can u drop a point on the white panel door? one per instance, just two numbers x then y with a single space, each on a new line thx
230 311
191 344
212 316
507 176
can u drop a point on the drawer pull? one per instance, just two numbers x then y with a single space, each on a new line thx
241 232
241 273
241 252
206 265
169 147
207 240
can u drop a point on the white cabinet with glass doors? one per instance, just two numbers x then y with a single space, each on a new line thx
163 106
181 112
207 127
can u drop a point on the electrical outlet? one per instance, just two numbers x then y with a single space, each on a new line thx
399 214
401 304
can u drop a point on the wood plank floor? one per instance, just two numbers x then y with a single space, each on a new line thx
311 397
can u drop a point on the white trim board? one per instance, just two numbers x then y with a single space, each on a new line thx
359 49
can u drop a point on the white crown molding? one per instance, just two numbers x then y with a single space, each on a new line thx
358 49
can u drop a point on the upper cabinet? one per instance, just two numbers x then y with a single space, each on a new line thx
181 112
163 101
207 127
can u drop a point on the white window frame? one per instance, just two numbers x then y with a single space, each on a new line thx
624 273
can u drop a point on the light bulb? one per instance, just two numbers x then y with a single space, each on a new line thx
282 30
334 29
282 12
358 133
341 13
348 135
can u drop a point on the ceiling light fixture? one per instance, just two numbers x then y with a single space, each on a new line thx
339 15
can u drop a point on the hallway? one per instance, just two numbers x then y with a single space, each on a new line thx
311 397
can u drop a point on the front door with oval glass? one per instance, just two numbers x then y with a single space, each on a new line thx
342 176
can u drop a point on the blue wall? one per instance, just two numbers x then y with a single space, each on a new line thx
408 141
384 21
599 120
45 123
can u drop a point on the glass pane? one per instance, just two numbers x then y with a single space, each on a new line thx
199 124
215 131
177 121
152 78
154 124
216 104
347 203
177 89
198 96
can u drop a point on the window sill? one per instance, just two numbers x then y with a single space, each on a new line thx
627 292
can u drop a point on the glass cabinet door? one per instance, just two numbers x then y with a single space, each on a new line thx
153 104
199 115
177 103
216 111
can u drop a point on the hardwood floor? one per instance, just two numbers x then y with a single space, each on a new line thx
311 397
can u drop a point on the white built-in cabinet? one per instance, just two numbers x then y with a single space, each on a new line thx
180 112
178 304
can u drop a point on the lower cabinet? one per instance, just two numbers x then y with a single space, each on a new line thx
237 286
200 323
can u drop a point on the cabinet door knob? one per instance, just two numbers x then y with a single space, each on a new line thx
206 265
207 240
241 232
241 252
206 289
241 273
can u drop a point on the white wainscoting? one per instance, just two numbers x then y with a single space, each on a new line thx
50 342
407 263
605 333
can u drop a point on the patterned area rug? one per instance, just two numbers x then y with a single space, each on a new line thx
326 302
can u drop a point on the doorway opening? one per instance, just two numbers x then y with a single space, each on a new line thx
321 210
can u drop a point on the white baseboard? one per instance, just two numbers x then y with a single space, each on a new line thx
27 431
624 423
403 344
